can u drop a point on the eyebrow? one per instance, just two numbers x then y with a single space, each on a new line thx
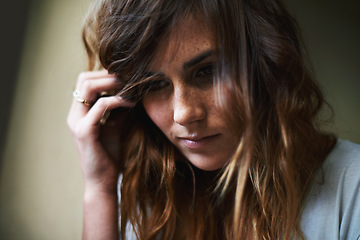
198 59
192 62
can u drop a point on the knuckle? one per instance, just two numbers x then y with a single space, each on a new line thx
78 129
69 122
80 132
82 76
86 85
102 102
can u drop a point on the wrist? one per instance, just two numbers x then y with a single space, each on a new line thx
93 190
100 214
93 197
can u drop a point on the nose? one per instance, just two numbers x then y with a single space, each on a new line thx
188 106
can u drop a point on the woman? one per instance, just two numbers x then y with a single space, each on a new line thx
214 130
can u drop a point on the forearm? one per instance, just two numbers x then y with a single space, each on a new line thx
100 216
98 147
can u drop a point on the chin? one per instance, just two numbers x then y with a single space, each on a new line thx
207 165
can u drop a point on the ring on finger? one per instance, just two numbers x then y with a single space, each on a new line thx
76 95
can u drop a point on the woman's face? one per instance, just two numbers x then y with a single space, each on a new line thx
181 99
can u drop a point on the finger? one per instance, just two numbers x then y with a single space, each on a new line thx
92 75
104 104
89 87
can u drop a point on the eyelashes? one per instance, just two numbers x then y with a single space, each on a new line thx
199 77
155 83
206 72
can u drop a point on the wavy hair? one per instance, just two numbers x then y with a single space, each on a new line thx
275 102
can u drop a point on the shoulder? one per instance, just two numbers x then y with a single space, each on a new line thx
342 165
344 154
332 207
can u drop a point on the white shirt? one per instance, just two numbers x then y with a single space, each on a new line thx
332 208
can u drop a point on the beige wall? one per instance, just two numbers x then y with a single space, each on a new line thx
41 186
40 181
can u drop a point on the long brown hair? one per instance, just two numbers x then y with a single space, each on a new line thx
275 104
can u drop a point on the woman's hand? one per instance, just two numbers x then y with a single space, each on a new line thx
99 149
98 145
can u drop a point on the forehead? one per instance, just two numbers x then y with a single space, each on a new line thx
188 37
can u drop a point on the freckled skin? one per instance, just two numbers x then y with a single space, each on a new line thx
185 107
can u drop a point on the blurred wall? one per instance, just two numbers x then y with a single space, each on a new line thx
40 179
332 33
13 17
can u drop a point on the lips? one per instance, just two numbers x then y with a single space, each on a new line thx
199 142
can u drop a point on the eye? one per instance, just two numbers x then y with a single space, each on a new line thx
204 76
206 72
156 85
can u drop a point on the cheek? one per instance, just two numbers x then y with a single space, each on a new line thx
158 113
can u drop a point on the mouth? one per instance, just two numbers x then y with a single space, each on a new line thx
199 142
